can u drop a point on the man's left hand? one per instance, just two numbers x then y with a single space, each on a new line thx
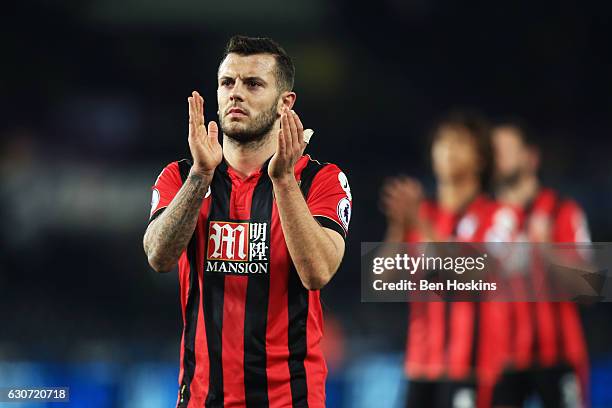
290 147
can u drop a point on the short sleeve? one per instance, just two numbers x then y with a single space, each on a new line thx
330 200
166 186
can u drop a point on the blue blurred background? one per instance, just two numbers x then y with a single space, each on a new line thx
92 105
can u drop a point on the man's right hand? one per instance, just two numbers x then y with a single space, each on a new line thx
204 145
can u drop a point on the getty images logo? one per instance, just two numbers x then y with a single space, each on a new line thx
238 247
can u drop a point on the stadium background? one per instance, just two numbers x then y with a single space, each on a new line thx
92 101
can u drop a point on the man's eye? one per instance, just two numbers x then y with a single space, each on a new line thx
226 82
253 84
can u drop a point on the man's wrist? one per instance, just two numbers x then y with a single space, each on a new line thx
201 181
284 181
201 173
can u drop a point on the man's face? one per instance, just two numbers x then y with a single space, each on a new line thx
454 153
511 155
248 96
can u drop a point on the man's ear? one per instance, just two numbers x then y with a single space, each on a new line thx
287 99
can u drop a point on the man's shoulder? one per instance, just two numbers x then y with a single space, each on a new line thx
552 202
322 176
308 167
176 165
307 162
179 167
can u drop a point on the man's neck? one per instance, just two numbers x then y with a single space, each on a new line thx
248 159
455 194
521 193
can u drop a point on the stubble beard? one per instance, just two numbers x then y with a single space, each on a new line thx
507 181
255 134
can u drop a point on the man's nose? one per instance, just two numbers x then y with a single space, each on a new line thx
237 92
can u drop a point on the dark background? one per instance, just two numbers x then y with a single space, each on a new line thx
93 106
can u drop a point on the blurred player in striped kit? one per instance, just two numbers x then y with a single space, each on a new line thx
452 347
548 355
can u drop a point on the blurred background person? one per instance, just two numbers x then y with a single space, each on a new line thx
548 350
452 347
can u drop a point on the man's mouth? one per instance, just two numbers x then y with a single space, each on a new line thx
236 112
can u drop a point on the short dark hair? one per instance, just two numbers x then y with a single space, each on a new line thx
479 129
522 129
243 45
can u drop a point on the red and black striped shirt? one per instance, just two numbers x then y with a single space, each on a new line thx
458 341
546 334
252 332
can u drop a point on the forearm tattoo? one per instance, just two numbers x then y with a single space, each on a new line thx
169 234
